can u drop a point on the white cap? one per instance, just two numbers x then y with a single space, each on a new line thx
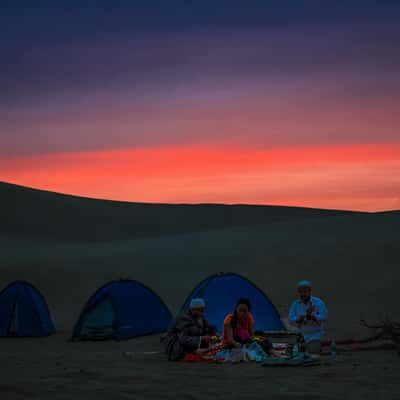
304 284
197 303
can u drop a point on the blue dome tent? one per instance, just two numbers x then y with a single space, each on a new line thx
221 293
122 310
24 312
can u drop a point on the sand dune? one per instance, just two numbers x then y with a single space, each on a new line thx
68 247
353 260
37 213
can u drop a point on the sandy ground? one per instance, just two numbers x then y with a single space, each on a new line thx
353 261
52 368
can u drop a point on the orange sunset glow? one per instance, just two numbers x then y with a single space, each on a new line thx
358 177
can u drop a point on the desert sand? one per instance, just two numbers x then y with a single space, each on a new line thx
67 252
52 368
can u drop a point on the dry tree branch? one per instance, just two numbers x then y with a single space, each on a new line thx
376 326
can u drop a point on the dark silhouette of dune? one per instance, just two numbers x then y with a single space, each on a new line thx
38 213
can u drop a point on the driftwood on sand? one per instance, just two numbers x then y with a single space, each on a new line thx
386 331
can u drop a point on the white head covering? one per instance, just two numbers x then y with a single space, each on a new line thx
197 303
304 284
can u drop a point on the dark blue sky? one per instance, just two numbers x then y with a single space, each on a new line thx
69 20
64 60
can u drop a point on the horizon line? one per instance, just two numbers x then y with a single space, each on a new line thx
21 186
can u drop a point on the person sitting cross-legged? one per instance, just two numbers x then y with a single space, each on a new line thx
239 328
308 314
188 332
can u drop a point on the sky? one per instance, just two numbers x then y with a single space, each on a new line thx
263 102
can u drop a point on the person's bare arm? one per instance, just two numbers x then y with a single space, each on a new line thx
229 336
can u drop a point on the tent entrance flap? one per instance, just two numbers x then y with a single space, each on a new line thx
99 321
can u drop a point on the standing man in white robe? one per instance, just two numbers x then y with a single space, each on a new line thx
308 315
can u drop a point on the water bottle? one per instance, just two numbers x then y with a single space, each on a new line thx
295 350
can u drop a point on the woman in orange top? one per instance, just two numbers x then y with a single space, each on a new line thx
239 326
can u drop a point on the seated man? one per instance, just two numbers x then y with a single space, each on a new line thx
188 332
308 314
